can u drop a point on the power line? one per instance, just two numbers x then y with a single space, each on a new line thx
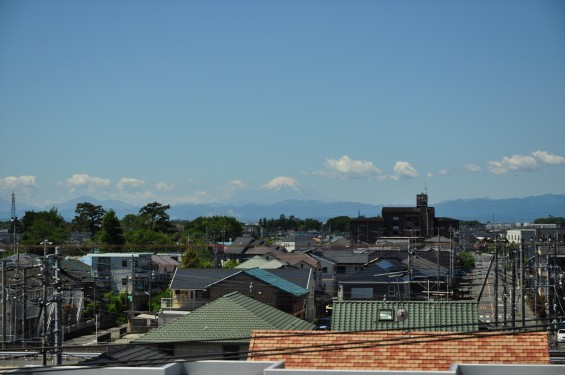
423 338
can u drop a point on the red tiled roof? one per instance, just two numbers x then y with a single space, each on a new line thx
395 350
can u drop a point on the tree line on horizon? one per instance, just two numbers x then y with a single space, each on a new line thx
152 228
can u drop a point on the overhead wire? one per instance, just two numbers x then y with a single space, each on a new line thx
304 349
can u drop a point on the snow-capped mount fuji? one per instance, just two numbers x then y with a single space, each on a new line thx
278 189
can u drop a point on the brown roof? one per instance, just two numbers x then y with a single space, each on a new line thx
395 350
295 258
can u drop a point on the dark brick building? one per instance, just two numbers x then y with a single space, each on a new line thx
416 222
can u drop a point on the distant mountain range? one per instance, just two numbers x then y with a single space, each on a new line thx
511 210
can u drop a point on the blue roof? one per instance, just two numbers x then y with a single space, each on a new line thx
276 281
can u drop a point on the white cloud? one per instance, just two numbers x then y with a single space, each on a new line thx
237 184
548 158
429 175
403 169
443 172
345 168
126 182
282 181
14 182
470 167
84 181
513 163
163 186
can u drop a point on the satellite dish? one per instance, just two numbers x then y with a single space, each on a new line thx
401 315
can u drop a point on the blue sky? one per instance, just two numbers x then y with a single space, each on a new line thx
218 101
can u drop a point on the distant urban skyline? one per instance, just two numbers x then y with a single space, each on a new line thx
254 102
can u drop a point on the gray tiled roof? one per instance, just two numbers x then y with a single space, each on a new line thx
130 354
239 245
298 276
203 278
230 318
454 316
200 278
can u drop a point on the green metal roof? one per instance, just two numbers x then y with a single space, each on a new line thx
230 318
276 281
450 316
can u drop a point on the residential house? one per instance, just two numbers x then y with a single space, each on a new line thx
390 278
450 316
244 248
222 327
292 242
129 355
347 261
259 262
194 287
163 268
399 350
327 274
125 272
23 291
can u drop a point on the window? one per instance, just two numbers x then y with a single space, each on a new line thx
125 281
340 270
391 290
124 263
386 314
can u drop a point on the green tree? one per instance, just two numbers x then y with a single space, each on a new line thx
218 228
155 303
190 259
117 305
230 264
131 222
141 237
551 220
466 259
38 226
338 224
111 231
154 216
88 218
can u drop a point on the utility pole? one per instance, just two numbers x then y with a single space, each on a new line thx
24 308
44 303
409 270
505 283
58 331
3 304
132 305
513 305
522 286
496 283
438 266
